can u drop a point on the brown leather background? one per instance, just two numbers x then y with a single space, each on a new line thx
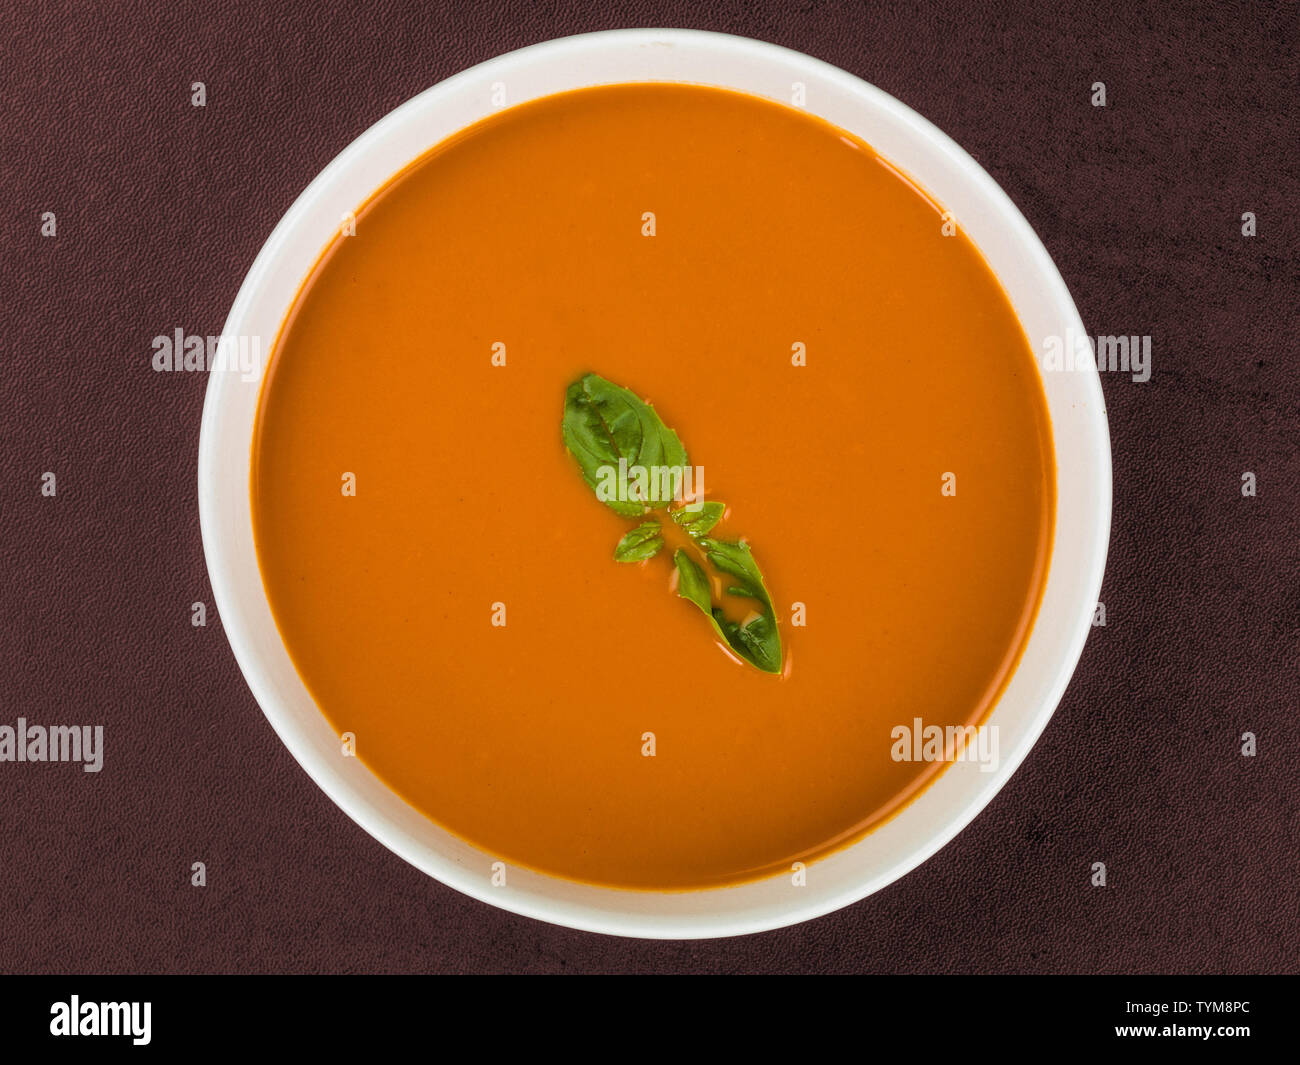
161 208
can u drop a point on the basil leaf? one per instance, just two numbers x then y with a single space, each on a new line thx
692 583
641 543
635 464
735 558
611 434
757 640
698 518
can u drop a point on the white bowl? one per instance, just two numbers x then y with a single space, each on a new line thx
955 180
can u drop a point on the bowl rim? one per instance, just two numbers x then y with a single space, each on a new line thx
634 920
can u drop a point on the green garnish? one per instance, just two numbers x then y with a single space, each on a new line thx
605 425
641 543
755 640
697 519
636 465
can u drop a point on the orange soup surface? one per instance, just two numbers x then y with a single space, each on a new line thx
853 383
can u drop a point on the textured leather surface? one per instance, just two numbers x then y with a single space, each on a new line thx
161 208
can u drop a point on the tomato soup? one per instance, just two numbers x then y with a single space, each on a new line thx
843 369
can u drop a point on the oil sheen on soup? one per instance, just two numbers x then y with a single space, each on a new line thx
850 379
